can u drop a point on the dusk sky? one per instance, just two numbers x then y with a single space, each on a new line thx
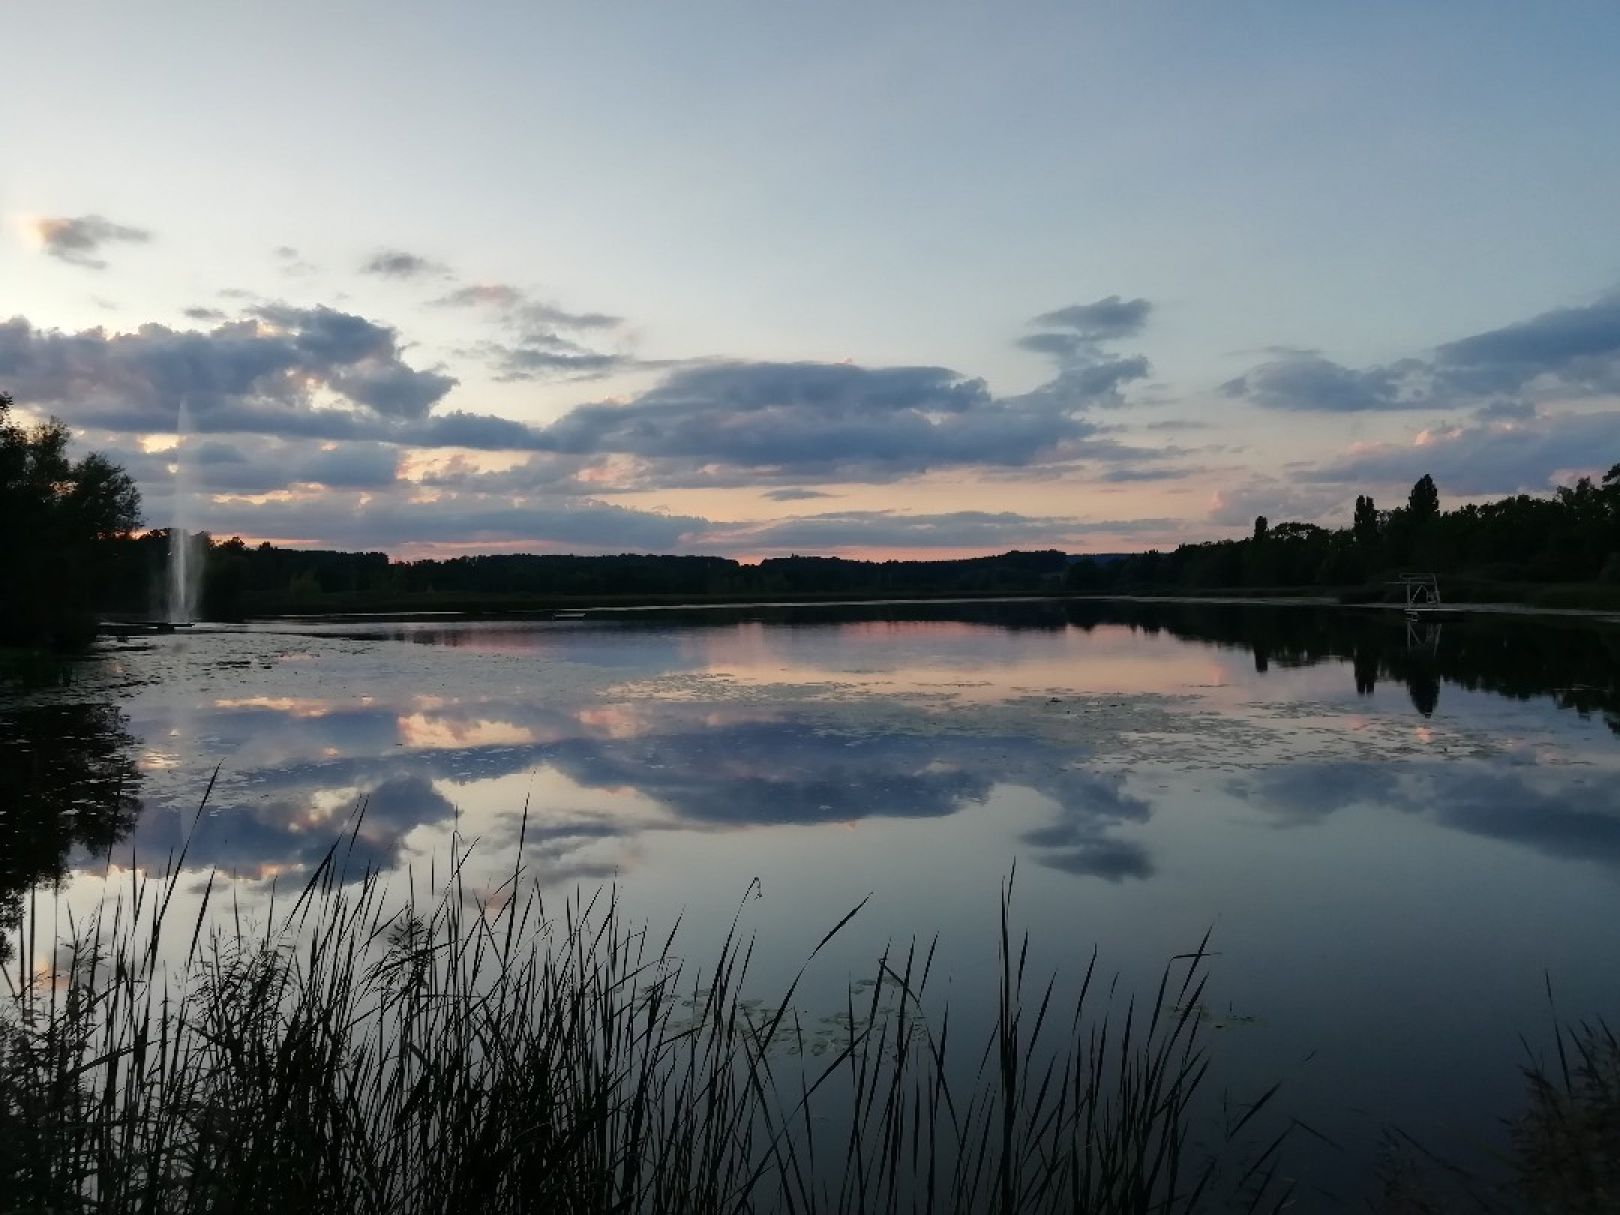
873 279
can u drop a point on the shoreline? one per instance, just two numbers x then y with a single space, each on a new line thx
566 608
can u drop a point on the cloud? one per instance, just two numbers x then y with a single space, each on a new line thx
1102 321
397 263
797 495
889 529
393 520
258 374
79 240
253 465
827 421
1088 377
546 356
1122 476
537 345
1577 347
1505 411
204 314
524 309
292 264
1176 424
486 295
1487 458
1311 382
1567 352
306 374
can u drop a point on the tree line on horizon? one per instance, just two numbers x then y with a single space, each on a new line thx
76 551
1569 537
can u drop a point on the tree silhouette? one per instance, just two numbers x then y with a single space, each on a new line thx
1424 501
59 516
1365 525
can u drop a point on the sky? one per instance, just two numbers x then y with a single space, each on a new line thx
879 280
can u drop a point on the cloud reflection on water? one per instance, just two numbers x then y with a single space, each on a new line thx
451 732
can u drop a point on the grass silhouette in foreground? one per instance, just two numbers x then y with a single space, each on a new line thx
367 1054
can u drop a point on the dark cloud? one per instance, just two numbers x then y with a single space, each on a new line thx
1088 377
397 263
1311 382
251 465
1102 321
523 309
326 374
547 356
483 295
537 313
1578 347
481 432
1505 411
1120 476
538 346
797 495
821 420
391 520
204 314
542 472
1488 458
258 374
80 239
1567 351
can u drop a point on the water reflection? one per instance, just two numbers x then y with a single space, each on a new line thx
689 766
1385 823
898 712
69 781
1571 819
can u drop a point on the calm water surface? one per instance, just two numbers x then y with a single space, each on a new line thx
1397 835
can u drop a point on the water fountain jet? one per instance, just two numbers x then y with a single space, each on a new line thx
185 565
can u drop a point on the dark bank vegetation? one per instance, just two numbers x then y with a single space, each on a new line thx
62 518
496 1052
1556 551
74 553
248 580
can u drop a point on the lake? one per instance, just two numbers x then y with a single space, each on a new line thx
1400 836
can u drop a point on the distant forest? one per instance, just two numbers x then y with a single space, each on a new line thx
1559 549
1570 539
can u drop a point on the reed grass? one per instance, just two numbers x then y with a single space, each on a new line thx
444 1052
